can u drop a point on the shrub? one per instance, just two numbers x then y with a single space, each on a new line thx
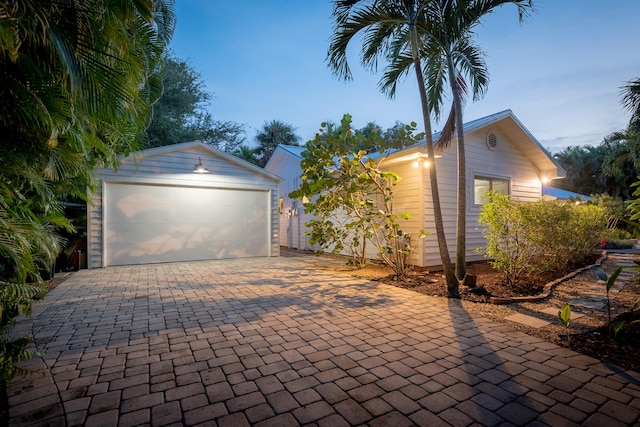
526 238
615 234
15 298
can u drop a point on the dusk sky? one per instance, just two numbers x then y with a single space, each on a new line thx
559 72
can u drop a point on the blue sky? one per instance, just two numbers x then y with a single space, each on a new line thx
559 72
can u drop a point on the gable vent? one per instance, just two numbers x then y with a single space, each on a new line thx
492 140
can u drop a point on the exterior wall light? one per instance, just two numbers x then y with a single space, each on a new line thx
200 168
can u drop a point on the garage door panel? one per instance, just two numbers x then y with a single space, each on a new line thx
146 224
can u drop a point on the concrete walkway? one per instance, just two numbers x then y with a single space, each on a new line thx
273 342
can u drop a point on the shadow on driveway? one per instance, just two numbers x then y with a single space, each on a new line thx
273 342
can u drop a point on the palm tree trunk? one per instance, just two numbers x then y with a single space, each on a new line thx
452 281
461 224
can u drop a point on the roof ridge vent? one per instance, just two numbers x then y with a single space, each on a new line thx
492 140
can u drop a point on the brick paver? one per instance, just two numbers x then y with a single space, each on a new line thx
277 342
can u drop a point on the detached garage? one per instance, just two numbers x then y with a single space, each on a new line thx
184 202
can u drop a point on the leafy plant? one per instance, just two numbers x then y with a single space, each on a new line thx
526 238
565 317
609 283
352 197
79 81
14 299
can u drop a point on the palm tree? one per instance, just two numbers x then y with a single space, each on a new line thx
452 55
631 101
273 133
77 81
246 153
584 169
394 32
621 162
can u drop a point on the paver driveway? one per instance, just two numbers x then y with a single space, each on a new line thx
274 342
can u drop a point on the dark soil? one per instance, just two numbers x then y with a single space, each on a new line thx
621 349
489 282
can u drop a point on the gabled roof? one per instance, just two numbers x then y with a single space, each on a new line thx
296 150
508 124
283 153
505 121
197 145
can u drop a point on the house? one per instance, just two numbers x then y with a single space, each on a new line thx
182 202
285 163
501 155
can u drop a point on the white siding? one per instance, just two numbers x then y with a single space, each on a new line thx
174 166
446 168
506 162
407 200
292 219
517 157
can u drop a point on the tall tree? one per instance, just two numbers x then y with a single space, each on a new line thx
608 168
583 165
452 57
631 101
621 162
180 114
273 133
77 81
246 153
392 32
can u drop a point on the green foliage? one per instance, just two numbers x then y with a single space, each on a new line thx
392 36
526 238
609 167
614 208
396 136
565 317
603 169
246 153
616 234
634 204
273 133
14 299
630 92
616 243
77 82
617 328
180 114
352 198
609 283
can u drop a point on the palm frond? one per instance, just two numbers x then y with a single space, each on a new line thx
631 96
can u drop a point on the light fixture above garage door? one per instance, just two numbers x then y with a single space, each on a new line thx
200 168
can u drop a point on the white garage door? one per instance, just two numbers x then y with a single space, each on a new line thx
150 223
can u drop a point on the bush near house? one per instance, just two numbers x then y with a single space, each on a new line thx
352 199
527 238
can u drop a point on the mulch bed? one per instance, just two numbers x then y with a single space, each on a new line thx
489 282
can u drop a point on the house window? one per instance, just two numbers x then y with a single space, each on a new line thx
482 184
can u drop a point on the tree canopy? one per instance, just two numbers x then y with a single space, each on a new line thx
77 82
273 133
180 115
